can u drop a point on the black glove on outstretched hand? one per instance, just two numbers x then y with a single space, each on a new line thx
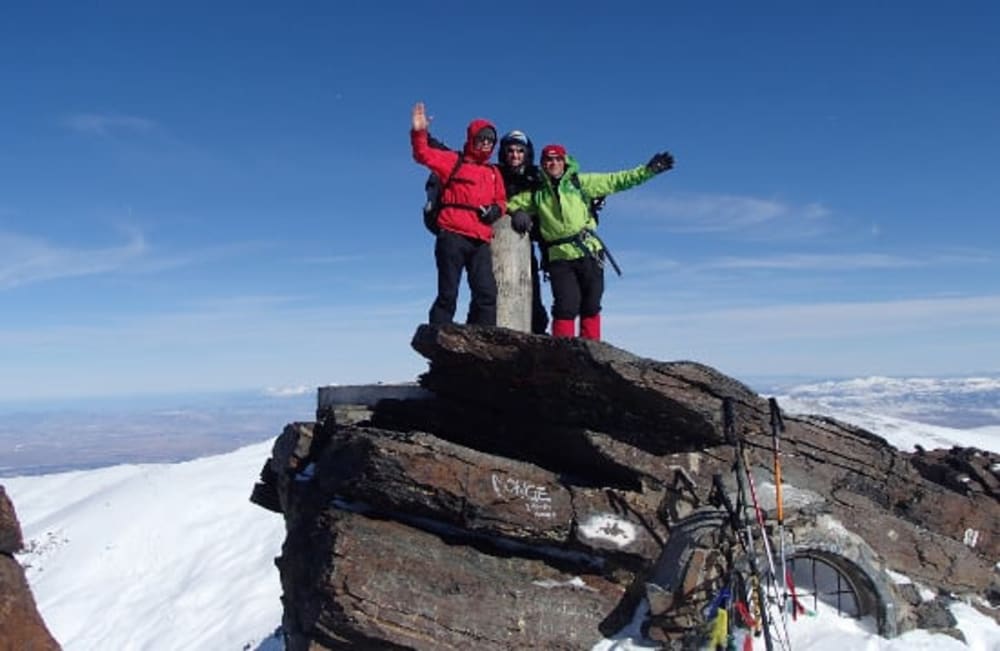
489 213
520 222
660 162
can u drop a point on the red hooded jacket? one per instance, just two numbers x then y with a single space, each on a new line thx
476 182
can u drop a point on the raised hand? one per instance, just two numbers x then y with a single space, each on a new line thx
660 162
420 120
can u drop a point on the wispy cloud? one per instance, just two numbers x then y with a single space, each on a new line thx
230 343
843 262
801 262
704 213
646 262
936 335
226 306
204 255
104 124
807 261
331 259
288 392
830 319
25 260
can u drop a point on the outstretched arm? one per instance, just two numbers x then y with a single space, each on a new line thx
600 185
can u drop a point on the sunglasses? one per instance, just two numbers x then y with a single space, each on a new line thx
480 139
550 159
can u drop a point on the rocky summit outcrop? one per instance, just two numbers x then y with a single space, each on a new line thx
542 491
21 627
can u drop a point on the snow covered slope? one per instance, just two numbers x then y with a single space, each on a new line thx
153 557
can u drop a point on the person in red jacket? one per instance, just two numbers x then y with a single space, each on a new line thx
470 203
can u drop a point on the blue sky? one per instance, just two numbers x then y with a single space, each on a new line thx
215 196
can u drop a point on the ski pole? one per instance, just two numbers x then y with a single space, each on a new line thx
773 581
729 427
778 426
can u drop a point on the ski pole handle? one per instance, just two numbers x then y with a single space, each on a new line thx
777 422
777 425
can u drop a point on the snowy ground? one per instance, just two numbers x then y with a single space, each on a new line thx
174 556
157 556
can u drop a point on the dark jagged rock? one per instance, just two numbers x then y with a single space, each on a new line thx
576 451
542 461
10 529
421 475
963 470
657 407
935 614
352 579
21 627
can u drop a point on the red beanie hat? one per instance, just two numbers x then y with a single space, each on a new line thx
554 150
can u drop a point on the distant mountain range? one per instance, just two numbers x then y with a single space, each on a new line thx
44 439
938 412
951 402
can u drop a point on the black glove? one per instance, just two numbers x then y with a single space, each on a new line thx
597 204
660 162
489 214
520 222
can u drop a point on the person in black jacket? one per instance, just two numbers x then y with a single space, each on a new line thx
517 165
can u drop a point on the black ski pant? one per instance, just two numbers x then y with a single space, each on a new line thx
577 287
453 253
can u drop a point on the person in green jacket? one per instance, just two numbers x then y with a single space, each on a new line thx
573 254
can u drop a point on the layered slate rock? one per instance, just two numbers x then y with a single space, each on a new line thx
532 499
423 476
389 585
21 627
653 406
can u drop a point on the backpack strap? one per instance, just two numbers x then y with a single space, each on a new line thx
433 205
574 178
454 171
594 204
579 239
464 206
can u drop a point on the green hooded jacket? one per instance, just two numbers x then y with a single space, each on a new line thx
565 213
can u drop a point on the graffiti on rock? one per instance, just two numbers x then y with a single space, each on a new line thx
536 497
